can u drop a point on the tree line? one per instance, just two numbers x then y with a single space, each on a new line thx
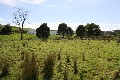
88 30
43 31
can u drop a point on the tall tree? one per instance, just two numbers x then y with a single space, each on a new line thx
69 31
43 31
20 16
80 31
62 29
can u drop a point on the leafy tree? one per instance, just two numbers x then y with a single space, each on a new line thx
43 31
69 31
93 29
80 31
62 29
6 30
20 16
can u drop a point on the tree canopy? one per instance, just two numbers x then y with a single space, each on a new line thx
62 29
69 31
6 30
93 30
43 31
80 31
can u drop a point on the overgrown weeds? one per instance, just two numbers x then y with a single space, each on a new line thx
59 56
75 66
60 67
30 68
65 73
4 66
117 75
49 66
5 71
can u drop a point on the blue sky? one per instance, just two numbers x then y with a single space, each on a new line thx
105 13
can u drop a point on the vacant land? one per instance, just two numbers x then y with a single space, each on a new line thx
72 59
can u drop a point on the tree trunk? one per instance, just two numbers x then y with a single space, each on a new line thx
22 30
21 35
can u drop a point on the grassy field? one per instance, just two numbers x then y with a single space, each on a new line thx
59 59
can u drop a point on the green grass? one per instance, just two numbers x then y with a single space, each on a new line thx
16 37
101 58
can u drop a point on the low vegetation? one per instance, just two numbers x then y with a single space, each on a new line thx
58 59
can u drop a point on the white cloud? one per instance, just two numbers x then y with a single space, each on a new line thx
1 19
8 2
32 1
15 2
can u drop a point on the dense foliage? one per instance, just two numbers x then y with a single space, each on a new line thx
69 31
43 31
62 29
6 30
93 30
89 30
80 31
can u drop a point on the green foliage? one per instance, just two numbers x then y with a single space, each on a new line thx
5 71
69 31
100 60
29 68
80 31
4 66
6 30
16 37
116 75
90 30
48 67
54 37
75 66
93 30
62 29
43 31
66 73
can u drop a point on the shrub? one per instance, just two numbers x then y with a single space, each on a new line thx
29 68
5 71
6 30
117 75
4 66
48 67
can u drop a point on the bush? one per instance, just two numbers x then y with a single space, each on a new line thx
4 66
6 30
48 67
5 71
29 68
